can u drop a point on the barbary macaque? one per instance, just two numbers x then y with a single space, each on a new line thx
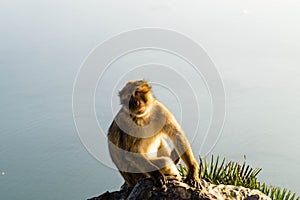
137 138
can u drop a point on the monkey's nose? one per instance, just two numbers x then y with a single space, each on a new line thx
137 103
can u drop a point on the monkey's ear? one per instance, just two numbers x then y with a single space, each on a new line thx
146 83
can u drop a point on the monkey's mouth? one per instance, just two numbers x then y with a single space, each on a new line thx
137 106
140 110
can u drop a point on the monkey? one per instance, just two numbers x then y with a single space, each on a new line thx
137 138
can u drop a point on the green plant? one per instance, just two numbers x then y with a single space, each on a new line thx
234 173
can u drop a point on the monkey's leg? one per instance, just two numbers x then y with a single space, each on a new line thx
164 150
155 168
165 165
135 166
166 168
131 162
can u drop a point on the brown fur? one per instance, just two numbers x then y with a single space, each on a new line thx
139 129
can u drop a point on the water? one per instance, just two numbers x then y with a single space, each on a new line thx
43 44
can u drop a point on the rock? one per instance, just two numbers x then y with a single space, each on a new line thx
175 190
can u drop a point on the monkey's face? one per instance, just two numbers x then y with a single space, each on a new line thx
136 97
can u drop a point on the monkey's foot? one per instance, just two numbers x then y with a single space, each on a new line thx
173 178
158 178
196 183
160 181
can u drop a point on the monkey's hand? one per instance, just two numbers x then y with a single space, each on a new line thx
193 178
159 179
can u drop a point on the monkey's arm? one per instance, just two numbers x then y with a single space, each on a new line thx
184 150
182 146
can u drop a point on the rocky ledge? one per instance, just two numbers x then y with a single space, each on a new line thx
176 190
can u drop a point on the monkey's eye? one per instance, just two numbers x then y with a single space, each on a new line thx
139 92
